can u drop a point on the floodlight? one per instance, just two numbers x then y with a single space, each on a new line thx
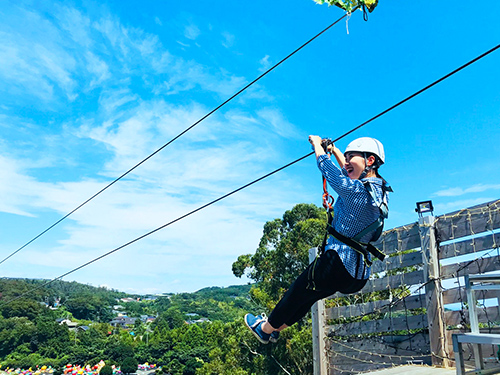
423 207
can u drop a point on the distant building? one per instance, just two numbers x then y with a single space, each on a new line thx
71 325
128 299
117 310
147 318
201 320
123 321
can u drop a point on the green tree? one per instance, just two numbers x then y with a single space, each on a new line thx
89 307
129 365
175 367
119 351
106 370
22 307
283 252
192 364
170 319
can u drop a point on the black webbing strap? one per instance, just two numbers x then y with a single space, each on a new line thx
363 248
328 225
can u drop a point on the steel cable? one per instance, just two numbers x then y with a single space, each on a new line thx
173 139
260 178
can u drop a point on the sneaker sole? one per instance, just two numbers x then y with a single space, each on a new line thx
255 333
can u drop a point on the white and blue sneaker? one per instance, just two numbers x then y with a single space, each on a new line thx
254 323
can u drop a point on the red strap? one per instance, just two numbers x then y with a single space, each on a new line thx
327 198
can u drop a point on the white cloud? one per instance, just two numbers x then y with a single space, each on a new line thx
205 243
264 63
98 68
441 208
111 102
13 188
98 60
35 57
77 25
228 39
178 75
458 191
192 32
205 164
73 53
182 44
274 118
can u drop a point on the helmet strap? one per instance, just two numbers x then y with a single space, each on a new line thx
367 167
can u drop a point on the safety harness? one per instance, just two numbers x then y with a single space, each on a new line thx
364 248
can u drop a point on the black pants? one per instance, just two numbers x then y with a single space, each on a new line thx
330 276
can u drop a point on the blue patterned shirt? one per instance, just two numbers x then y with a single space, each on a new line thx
354 210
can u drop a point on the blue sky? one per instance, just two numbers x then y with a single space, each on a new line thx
88 89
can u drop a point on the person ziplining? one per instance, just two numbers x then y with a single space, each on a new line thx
345 256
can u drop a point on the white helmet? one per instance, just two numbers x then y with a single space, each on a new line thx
369 145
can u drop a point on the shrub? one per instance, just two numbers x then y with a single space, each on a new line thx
106 370
129 365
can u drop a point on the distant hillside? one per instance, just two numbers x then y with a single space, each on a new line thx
213 303
223 294
86 302
10 287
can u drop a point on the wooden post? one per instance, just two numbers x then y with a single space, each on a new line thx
320 363
433 295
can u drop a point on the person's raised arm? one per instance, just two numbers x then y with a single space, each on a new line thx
316 143
319 150
338 155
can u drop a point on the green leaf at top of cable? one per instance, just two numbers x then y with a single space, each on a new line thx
349 5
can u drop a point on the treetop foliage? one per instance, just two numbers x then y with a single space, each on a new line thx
283 252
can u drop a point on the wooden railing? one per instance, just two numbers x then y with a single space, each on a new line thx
401 316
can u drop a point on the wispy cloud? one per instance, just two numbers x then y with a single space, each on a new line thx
264 63
274 118
192 32
71 53
177 75
205 241
111 78
458 191
442 208
228 39
165 188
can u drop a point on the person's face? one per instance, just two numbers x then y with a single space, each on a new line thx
355 164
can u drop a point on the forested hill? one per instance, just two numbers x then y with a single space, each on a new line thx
12 287
68 322
100 304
